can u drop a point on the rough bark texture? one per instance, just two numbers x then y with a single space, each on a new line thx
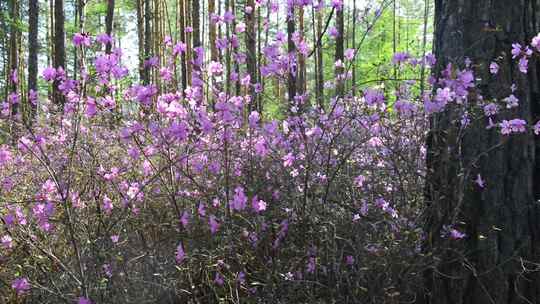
109 24
291 48
13 51
33 48
59 47
251 52
340 50
493 263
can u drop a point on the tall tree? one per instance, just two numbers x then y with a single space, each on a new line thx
59 47
496 262
109 19
251 50
340 50
33 49
13 73
291 48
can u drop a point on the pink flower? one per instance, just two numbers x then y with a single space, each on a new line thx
215 68
258 205
240 27
349 54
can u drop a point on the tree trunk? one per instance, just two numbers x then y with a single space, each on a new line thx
33 49
14 53
251 51
291 48
339 55
492 264
109 18
59 48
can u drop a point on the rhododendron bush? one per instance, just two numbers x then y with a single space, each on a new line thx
131 191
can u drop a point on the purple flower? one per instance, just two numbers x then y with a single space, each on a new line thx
333 32
400 57
218 279
349 54
21 285
258 205
513 126
213 223
239 199
523 65
83 300
104 38
49 73
215 68
349 260
180 254
491 109
81 39
479 181
6 241
456 234
493 68
537 128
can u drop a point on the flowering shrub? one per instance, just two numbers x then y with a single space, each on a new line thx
152 193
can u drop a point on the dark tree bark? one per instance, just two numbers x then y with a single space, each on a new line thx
291 48
212 33
33 49
493 264
59 47
141 40
251 49
196 23
319 60
109 18
182 29
147 38
340 50
13 51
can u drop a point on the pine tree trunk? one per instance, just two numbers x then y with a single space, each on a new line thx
13 52
251 51
109 18
33 49
339 55
291 48
59 48
501 221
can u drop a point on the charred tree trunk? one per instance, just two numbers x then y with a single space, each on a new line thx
494 263
109 18
33 49
59 48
